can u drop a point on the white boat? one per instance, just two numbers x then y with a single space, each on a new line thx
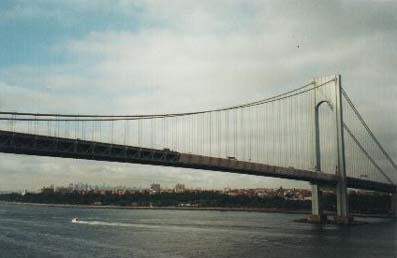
75 220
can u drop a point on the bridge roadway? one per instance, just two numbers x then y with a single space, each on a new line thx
30 144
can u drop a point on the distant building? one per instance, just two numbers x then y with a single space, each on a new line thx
62 190
155 188
47 190
120 192
179 188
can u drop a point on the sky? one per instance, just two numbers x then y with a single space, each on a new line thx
128 57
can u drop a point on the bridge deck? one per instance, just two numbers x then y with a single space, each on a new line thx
29 144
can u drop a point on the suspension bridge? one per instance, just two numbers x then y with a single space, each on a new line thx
313 133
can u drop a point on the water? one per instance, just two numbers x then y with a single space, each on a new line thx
32 231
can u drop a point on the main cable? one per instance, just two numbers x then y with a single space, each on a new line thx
108 118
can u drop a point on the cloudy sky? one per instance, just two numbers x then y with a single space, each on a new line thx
120 57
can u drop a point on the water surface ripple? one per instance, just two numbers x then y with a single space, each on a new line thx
35 231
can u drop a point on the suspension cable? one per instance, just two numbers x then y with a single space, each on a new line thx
368 129
366 153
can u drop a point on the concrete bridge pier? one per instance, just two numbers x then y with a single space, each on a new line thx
394 204
342 206
342 216
317 215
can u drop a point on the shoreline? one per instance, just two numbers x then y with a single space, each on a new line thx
221 209
115 207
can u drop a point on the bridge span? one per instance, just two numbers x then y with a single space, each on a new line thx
29 144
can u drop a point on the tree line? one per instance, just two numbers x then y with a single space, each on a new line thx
359 203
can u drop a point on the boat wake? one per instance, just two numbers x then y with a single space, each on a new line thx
149 226
113 224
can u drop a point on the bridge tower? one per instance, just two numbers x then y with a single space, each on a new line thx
332 97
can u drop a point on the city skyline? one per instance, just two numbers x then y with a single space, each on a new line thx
85 186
